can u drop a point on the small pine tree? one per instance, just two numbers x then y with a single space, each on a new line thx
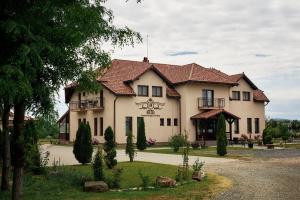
221 136
83 148
141 142
98 166
129 147
110 148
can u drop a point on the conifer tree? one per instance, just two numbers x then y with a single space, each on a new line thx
83 148
221 136
141 142
98 166
130 147
110 148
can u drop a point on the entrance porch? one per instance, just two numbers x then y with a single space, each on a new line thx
206 124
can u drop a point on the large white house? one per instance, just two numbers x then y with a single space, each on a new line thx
172 99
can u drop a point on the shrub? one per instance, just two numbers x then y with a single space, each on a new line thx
129 147
141 135
110 148
115 181
221 136
145 180
285 135
267 137
1 145
98 166
177 141
83 148
235 140
195 145
151 142
197 166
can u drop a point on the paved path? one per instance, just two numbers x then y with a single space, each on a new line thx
66 157
270 175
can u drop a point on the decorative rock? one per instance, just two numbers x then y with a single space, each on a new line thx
164 181
95 186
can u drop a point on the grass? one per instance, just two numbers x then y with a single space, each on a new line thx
207 152
289 146
67 184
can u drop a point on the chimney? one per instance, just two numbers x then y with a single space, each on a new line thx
146 60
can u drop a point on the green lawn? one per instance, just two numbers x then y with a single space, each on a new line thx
67 184
207 152
290 146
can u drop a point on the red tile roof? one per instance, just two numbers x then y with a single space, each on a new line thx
121 72
259 95
214 114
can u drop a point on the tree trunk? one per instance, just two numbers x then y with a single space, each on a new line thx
6 149
18 150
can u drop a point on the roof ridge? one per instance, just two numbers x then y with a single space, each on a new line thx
220 73
191 72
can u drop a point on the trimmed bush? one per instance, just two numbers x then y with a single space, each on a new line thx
284 131
267 137
129 147
83 148
98 166
110 148
221 136
141 142
177 141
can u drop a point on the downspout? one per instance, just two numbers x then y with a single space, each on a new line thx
115 100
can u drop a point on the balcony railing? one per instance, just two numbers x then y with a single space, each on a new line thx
93 104
211 103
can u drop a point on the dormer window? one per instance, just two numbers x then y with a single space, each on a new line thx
156 91
246 96
236 95
143 90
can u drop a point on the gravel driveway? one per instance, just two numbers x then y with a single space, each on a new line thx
272 174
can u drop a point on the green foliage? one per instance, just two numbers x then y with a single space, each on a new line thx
197 166
47 125
285 135
115 181
141 142
267 137
130 147
1 145
83 148
98 166
177 141
145 179
221 136
110 148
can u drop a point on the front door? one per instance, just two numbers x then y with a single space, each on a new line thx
207 129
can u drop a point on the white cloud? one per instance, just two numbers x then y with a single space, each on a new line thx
226 34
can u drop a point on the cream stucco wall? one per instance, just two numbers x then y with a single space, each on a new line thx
247 109
190 92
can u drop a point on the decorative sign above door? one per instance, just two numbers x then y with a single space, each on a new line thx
150 105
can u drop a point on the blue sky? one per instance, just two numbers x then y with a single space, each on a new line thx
260 38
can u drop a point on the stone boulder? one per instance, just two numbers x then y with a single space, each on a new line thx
95 186
164 181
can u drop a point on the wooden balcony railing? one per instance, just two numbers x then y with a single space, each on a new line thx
94 104
211 103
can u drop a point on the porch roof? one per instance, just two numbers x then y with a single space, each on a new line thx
211 114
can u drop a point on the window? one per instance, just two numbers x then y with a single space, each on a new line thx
208 98
83 94
256 125
79 121
162 121
84 120
175 122
143 90
236 126
249 125
169 122
128 124
101 126
246 96
95 126
138 121
236 95
156 91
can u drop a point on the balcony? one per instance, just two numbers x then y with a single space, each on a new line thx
96 104
211 103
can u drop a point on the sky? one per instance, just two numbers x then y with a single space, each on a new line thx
259 38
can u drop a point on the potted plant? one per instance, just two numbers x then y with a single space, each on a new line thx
258 140
195 145
197 170
250 143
